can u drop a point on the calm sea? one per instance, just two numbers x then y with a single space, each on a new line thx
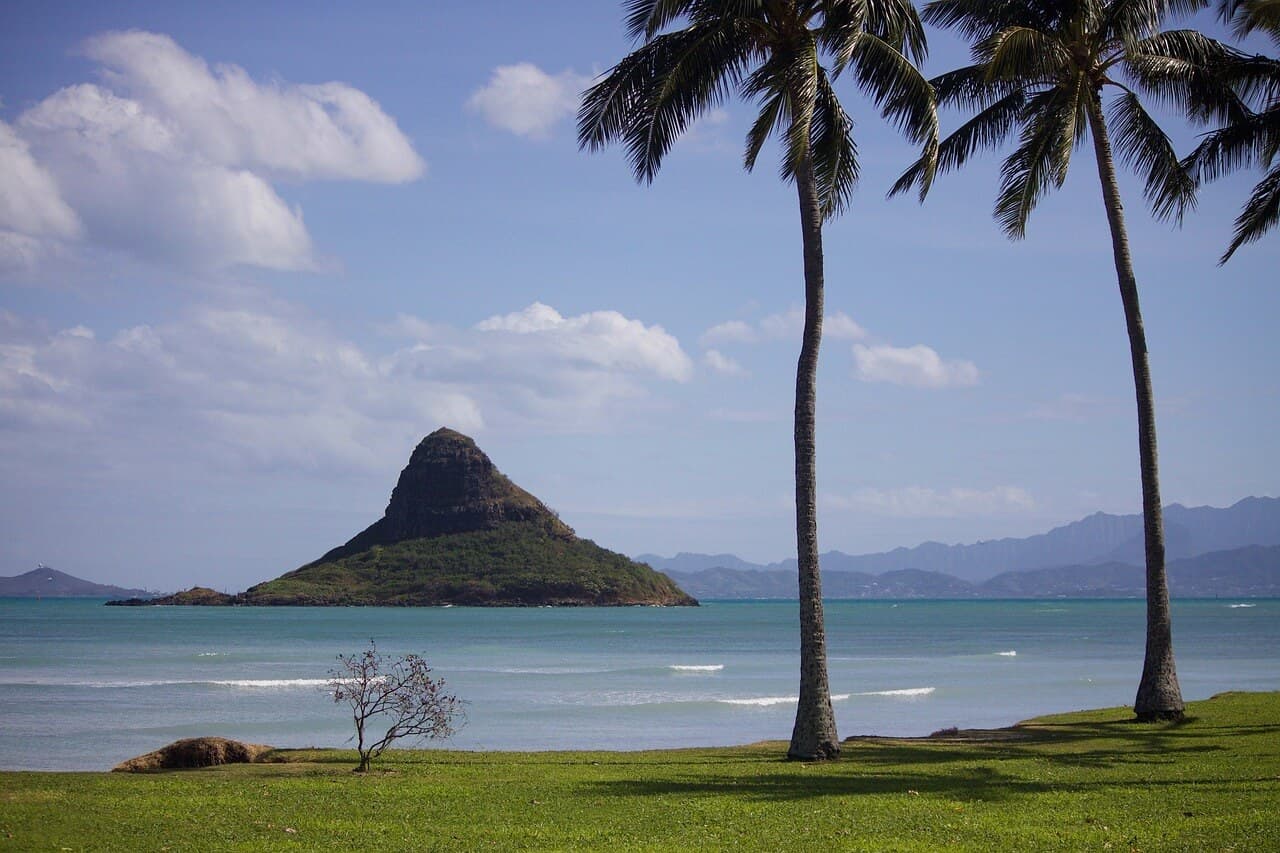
84 686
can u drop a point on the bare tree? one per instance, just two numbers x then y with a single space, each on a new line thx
398 689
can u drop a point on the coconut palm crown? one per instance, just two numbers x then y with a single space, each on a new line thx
1042 68
1250 135
783 55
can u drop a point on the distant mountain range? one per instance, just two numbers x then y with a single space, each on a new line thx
1231 552
1250 572
44 582
1099 538
1211 551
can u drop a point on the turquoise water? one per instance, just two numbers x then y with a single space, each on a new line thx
84 686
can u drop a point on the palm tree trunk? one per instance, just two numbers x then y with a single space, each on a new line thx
814 735
1159 696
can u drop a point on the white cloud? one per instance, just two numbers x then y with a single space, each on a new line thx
268 387
326 131
785 326
526 100
598 340
731 331
918 366
721 363
30 204
842 327
171 159
924 502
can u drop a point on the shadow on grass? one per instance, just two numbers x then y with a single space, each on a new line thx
962 783
987 766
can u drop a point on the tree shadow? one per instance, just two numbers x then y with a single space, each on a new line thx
961 783
967 765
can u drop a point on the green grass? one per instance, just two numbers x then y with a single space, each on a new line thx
1085 781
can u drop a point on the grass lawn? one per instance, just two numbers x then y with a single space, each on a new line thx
1084 781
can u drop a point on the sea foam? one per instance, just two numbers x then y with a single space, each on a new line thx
710 667
272 683
909 692
766 701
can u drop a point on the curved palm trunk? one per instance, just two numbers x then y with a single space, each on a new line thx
814 735
1159 696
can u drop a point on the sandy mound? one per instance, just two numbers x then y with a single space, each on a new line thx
195 752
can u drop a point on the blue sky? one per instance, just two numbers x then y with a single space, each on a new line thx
251 253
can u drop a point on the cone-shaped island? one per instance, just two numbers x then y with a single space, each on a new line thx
457 531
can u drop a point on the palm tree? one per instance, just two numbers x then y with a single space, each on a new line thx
691 56
1042 67
1249 137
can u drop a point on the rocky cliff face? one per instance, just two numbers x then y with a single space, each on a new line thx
449 486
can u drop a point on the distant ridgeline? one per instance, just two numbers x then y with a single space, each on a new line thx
44 582
457 531
1249 572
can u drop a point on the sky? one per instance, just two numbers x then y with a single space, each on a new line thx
250 254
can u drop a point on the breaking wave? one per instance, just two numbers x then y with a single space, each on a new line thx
909 692
766 701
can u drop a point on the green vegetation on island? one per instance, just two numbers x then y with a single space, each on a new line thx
520 563
1092 780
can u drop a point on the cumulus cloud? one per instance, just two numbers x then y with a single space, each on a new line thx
269 387
329 130
169 158
720 363
527 101
919 366
600 340
29 200
925 502
784 326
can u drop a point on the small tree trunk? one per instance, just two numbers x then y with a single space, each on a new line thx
1159 696
814 735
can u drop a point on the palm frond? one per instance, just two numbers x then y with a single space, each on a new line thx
1187 70
1170 188
799 80
653 94
1259 214
897 87
986 131
646 18
1239 145
1249 16
897 22
971 88
1049 132
1129 21
1023 53
978 20
771 115
832 150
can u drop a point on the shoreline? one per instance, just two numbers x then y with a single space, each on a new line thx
1023 730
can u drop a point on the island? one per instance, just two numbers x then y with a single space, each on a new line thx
458 531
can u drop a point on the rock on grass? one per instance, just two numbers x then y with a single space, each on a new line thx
195 752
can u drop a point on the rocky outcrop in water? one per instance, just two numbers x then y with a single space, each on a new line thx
458 531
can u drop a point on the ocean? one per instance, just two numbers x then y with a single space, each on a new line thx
83 686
